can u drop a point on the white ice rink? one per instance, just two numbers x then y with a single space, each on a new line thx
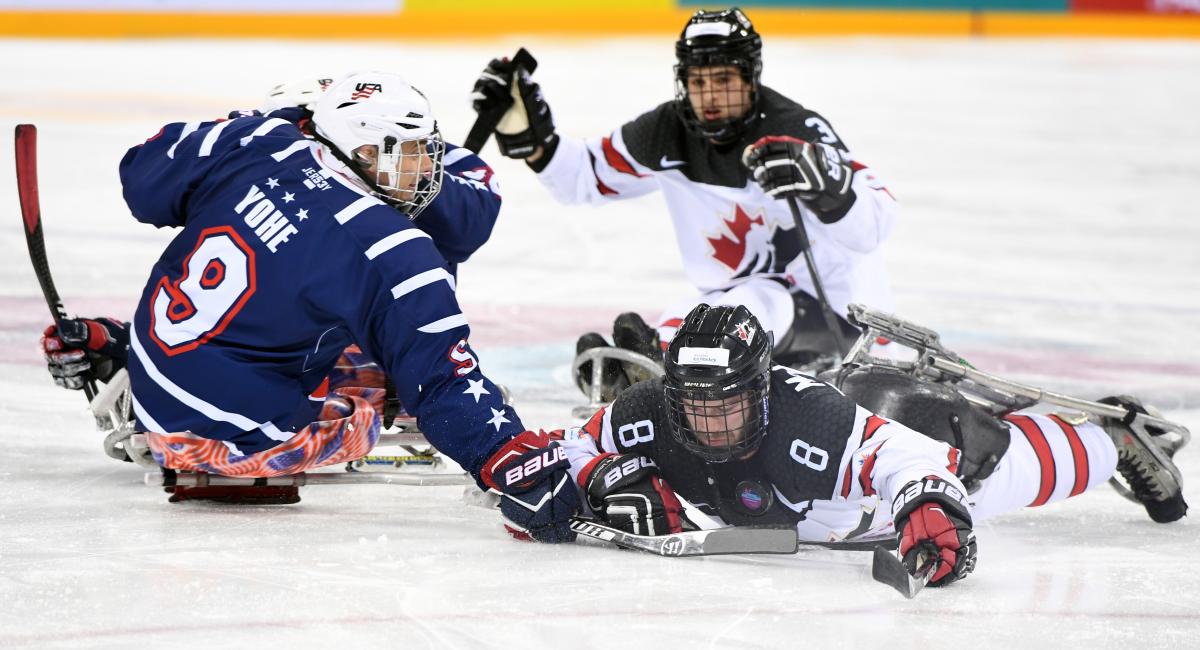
1050 232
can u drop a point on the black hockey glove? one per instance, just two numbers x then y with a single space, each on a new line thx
626 491
933 524
525 122
537 498
812 172
80 349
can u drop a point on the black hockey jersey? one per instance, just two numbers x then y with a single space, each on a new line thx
826 465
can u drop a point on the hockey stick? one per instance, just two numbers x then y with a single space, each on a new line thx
831 319
487 121
733 540
31 214
890 570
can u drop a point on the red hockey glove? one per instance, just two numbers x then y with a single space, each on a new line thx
537 498
812 172
80 349
626 491
932 522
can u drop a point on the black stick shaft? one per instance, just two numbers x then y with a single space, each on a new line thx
830 318
482 129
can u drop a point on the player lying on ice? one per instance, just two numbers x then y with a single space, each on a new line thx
762 444
722 153
290 250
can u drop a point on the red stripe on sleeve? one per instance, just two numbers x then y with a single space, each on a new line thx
604 189
1045 458
594 425
864 474
873 424
1078 455
616 160
953 458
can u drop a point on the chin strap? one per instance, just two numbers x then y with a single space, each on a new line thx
362 175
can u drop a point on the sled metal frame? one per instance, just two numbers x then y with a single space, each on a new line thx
597 356
996 395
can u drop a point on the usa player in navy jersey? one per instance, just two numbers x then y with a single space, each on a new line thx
756 443
290 250
723 153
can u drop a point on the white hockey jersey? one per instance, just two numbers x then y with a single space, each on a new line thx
726 228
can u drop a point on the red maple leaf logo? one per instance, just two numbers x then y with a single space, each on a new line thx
730 252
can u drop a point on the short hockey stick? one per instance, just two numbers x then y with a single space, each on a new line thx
733 540
31 214
890 570
831 319
487 121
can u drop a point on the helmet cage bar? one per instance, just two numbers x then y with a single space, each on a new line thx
410 180
745 112
717 423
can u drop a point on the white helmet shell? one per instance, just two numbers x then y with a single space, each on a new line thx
299 93
382 110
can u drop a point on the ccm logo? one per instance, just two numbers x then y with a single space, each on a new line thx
534 465
626 468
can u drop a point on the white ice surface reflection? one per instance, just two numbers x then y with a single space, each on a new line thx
1050 233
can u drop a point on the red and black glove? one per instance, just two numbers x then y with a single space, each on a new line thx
537 498
812 172
934 524
626 491
79 350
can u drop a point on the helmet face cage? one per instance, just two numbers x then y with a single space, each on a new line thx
719 424
409 172
717 383
383 128
711 41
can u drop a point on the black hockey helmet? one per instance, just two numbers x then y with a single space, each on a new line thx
718 38
717 381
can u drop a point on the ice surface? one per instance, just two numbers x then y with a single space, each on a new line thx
1049 232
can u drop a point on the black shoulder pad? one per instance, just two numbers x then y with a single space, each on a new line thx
782 116
639 418
656 136
807 436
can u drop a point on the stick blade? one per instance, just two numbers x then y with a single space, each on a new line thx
889 570
726 541
25 139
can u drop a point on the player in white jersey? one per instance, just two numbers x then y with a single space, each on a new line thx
761 444
723 153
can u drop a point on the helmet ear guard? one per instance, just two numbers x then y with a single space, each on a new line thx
717 383
382 111
718 38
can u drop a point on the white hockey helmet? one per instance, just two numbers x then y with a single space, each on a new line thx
301 93
377 121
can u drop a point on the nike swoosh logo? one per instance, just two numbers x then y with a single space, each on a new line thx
668 164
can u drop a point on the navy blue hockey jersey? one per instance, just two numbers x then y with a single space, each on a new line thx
282 262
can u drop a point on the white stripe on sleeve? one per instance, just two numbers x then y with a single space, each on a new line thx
210 138
263 129
354 209
393 240
447 323
455 156
421 279
299 145
188 129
